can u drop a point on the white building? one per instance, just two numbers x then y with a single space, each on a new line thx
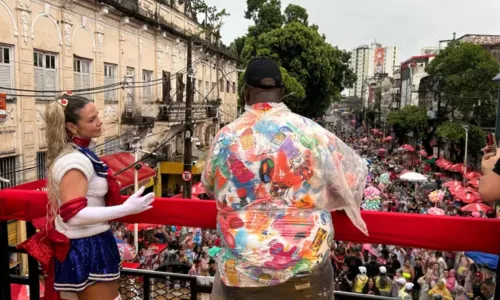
366 61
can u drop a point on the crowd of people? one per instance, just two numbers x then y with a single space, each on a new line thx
384 270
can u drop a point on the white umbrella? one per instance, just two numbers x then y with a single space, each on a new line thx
413 177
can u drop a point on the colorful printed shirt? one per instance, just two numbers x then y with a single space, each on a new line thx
275 175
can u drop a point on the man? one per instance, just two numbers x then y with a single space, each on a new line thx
275 175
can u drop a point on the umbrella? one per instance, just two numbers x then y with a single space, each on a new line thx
142 226
429 186
481 258
436 211
472 175
451 184
408 147
371 191
457 189
198 189
388 139
468 197
367 161
477 207
474 182
422 153
446 165
385 178
413 177
127 252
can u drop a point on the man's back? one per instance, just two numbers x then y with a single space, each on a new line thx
269 171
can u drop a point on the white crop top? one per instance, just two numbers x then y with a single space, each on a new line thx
97 189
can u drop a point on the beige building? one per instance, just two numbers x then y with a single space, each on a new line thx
126 46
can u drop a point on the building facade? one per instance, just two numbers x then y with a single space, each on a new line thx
412 71
129 57
368 61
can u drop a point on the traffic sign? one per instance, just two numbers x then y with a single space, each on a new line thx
186 176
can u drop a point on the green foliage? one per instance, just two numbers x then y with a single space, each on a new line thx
455 132
409 118
464 72
238 44
294 91
296 13
312 64
320 68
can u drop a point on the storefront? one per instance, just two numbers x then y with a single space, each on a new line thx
169 177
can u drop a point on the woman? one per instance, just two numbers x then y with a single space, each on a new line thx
408 272
462 269
370 288
77 186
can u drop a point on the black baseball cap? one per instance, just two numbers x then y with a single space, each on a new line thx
263 73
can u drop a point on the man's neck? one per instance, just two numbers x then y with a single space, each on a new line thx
253 102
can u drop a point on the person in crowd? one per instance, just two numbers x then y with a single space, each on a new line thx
398 286
407 292
383 282
425 285
78 186
360 280
282 169
372 267
407 271
370 288
196 268
440 289
451 281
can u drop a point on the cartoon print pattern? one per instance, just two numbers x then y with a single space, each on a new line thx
275 175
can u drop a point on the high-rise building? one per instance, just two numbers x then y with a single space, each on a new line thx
360 64
366 61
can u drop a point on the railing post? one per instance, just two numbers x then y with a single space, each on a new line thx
194 288
33 270
146 287
4 261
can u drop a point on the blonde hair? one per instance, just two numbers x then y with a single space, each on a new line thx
58 140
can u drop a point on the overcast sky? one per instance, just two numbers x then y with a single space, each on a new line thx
409 25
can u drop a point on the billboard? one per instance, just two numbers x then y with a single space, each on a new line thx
379 60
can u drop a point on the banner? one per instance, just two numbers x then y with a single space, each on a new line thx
379 60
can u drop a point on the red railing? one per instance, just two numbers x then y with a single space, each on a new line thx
409 230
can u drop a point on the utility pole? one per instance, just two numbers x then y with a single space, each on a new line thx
188 133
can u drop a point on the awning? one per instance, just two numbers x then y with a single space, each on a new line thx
116 163
119 161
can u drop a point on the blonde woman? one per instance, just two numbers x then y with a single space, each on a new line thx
77 186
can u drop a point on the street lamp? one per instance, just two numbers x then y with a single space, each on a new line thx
466 128
496 79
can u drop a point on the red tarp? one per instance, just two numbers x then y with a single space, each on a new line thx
116 162
410 230
120 161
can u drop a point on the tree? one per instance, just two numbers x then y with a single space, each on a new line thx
266 14
212 18
296 13
320 68
410 118
464 72
238 44
455 133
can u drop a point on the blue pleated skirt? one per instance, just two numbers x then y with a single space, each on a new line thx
90 260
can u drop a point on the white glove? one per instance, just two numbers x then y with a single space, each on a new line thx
94 215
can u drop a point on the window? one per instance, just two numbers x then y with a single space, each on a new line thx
234 87
41 158
110 78
199 92
6 72
82 74
221 85
214 86
8 171
228 86
45 73
180 87
207 89
167 88
147 86
112 145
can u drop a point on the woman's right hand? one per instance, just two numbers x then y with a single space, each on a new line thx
136 203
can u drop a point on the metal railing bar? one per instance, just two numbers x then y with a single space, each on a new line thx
19 279
357 295
13 249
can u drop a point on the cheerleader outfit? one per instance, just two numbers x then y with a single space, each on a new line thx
93 254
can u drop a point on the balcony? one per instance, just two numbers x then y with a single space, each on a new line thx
407 230
175 112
